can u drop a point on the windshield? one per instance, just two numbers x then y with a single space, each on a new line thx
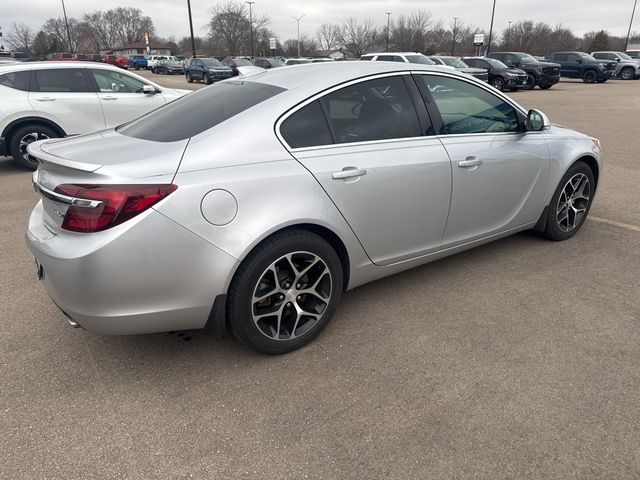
419 59
242 62
525 58
211 62
624 56
586 57
495 63
454 62
276 63
171 62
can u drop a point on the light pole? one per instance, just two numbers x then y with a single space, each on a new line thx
453 43
64 10
251 26
626 43
493 13
509 35
388 25
297 19
193 40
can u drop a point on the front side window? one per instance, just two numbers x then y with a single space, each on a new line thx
378 109
116 82
307 127
67 80
16 80
526 58
467 108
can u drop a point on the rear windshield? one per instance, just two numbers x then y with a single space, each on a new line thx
196 112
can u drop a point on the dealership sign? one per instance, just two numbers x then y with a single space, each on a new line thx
478 39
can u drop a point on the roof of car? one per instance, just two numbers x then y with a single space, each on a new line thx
391 53
328 74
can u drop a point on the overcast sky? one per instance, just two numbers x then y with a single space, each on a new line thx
170 16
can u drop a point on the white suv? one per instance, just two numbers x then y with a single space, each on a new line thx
152 61
406 57
56 99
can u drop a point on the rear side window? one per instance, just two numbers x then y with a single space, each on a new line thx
561 57
17 80
67 80
199 111
306 128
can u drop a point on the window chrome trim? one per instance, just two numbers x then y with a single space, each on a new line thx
470 80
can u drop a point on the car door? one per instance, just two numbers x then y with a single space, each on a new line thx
65 96
377 158
121 96
499 171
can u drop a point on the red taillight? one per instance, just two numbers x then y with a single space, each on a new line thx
119 204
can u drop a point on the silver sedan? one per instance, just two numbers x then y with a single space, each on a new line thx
255 203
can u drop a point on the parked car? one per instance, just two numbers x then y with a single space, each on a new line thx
635 54
584 66
168 67
137 61
116 60
268 63
543 74
60 57
626 67
406 57
19 56
80 57
500 76
162 225
56 99
207 70
321 59
235 62
296 61
154 59
455 62
94 57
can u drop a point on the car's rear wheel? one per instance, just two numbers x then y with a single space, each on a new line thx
589 76
531 81
627 73
570 203
189 78
498 82
285 292
21 139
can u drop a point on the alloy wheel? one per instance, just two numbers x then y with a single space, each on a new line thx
573 202
26 140
291 296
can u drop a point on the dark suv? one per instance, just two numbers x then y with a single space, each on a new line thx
208 70
500 76
584 66
543 74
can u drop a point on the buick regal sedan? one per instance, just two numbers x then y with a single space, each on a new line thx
349 172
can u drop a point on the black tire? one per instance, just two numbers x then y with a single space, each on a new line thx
554 229
545 87
137 67
206 79
627 73
189 77
25 135
251 275
498 82
590 76
531 81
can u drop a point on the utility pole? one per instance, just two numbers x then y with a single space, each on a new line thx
493 13
388 26
453 43
193 40
509 35
626 43
297 19
66 22
251 26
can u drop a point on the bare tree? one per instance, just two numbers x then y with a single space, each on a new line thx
328 36
56 31
358 37
230 27
20 37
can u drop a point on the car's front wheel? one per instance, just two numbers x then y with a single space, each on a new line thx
189 77
498 82
531 81
589 76
21 139
627 73
285 292
206 79
570 203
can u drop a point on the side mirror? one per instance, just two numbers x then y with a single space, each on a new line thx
149 90
537 121
618 59
579 61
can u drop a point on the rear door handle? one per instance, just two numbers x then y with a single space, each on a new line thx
46 99
470 162
348 172
109 97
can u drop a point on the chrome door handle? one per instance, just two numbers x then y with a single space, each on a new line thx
470 162
348 172
109 97
46 99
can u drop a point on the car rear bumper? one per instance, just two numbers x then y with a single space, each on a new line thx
146 275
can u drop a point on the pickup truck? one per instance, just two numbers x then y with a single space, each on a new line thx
541 73
584 66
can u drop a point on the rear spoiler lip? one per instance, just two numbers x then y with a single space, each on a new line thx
43 157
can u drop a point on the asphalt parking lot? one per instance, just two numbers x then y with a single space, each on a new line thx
514 360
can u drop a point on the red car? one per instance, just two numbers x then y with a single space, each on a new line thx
61 57
121 62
